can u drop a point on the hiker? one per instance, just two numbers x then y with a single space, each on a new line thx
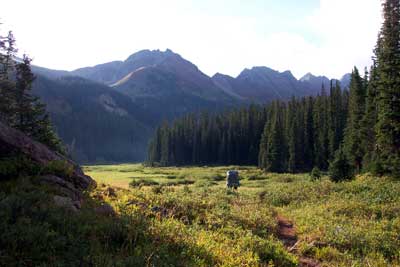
232 179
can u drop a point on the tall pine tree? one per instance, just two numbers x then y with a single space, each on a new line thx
388 93
352 140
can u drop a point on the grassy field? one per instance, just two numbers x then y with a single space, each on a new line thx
354 223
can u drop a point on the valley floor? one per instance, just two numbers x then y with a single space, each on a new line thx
273 219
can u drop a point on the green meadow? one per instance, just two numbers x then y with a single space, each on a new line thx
354 223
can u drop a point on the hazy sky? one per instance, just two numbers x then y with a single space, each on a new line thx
320 36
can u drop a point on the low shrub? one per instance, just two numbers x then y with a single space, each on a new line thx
218 177
315 174
137 182
340 168
59 168
257 177
14 167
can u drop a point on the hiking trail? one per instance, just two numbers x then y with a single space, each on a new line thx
287 234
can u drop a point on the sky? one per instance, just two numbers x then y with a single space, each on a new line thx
324 37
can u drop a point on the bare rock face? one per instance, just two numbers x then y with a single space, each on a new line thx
69 189
15 142
64 187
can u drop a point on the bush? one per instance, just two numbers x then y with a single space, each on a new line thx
158 189
59 168
340 168
137 182
218 177
14 167
257 177
315 174
179 182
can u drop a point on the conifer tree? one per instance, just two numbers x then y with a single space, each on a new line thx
321 140
335 118
308 134
292 138
352 140
368 134
340 168
276 148
388 94
7 84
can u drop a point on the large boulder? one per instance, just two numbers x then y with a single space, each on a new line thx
14 142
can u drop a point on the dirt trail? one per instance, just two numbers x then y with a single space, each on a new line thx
287 234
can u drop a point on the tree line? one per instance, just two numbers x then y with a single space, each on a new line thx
282 136
18 107
347 131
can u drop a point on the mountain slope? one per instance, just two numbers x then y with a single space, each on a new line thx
262 84
96 123
112 109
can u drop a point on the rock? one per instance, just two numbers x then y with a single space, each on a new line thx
105 210
66 203
15 142
64 187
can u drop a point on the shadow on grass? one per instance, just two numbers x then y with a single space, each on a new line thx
33 232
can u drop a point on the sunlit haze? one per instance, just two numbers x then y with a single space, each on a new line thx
325 37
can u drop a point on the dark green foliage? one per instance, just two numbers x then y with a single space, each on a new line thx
142 182
321 133
388 90
276 155
96 123
353 146
16 166
59 168
336 118
340 168
30 114
368 134
281 137
228 138
316 174
18 108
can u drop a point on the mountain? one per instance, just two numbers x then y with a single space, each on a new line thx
163 83
110 110
345 81
96 123
170 86
262 84
315 82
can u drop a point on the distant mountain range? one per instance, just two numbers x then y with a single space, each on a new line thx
108 112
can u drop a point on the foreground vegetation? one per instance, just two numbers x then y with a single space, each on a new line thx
186 217
353 223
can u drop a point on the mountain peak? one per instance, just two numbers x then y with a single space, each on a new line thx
307 77
146 53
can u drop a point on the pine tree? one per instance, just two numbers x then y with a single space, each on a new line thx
30 114
276 148
292 138
7 84
321 139
388 95
308 134
368 134
335 118
352 140
340 168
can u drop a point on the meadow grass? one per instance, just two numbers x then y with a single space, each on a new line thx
353 223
